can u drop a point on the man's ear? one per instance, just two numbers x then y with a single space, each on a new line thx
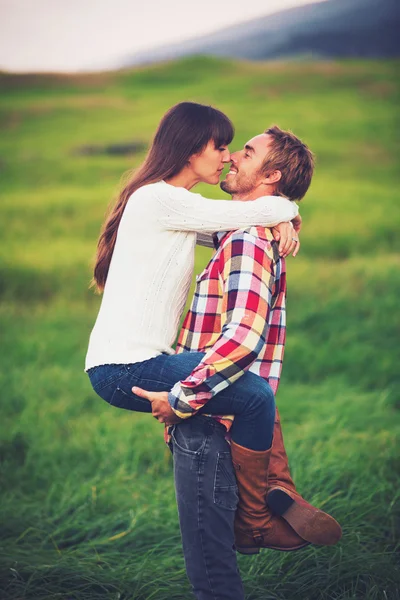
273 177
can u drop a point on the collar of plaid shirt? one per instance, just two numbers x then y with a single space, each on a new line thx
218 237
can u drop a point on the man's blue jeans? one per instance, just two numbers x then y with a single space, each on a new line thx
207 497
250 398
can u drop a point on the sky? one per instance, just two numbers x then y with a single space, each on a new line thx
76 35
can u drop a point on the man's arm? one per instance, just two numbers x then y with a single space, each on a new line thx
205 239
247 274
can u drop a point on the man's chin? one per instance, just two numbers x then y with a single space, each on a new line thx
226 187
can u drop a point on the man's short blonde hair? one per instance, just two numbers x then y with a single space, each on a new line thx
293 159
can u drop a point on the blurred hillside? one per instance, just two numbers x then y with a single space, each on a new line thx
87 506
323 30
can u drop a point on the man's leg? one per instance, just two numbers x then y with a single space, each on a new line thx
206 494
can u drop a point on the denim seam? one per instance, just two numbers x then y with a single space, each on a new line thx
100 385
226 488
118 389
200 472
142 380
103 384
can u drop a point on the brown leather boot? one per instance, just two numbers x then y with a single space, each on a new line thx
309 522
278 472
255 526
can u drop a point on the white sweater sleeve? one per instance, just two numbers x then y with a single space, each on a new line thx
181 210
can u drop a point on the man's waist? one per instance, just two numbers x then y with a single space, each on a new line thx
217 421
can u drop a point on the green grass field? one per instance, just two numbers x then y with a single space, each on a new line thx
87 500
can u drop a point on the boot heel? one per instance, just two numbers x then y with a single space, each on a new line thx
248 551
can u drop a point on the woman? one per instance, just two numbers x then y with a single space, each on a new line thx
144 266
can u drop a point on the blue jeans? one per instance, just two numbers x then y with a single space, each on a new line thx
206 495
250 398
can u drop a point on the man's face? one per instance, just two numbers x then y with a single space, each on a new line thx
244 175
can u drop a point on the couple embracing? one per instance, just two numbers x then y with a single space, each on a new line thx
216 392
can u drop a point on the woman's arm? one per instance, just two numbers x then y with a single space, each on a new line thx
181 210
283 233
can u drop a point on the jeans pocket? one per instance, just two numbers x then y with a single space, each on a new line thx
225 488
189 436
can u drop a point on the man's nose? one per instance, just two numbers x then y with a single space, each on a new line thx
234 157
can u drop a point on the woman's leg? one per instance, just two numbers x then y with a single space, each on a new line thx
105 381
250 398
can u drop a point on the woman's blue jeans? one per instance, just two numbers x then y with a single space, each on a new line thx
250 398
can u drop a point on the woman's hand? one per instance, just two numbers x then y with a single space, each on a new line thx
287 234
160 407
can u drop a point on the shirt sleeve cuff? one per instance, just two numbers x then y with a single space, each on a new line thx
178 402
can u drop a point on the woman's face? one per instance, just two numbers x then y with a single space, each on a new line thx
207 166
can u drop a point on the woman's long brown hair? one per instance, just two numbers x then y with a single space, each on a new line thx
184 130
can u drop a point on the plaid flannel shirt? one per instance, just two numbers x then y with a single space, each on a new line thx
237 317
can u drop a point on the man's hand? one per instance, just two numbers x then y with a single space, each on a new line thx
287 236
160 406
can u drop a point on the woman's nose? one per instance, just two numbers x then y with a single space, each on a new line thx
226 157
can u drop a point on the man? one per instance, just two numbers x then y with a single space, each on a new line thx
272 163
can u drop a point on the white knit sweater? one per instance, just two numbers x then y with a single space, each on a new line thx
151 268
